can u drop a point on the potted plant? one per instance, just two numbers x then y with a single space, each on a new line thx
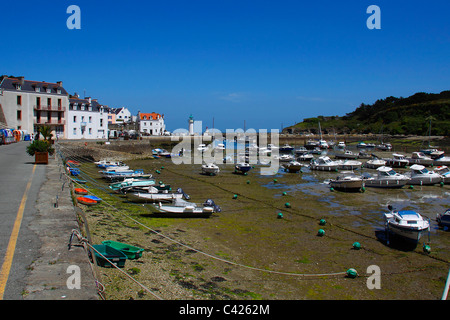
40 149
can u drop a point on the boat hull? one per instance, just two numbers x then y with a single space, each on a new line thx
382 183
152 197
405 233
347 186
425 181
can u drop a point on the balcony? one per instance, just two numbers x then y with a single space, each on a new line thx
49 108
54 122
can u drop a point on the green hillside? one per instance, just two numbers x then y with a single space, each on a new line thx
391 115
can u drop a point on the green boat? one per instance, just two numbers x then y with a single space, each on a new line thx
131 183
115 256
130 251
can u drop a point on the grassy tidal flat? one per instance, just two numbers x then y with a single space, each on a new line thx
248 252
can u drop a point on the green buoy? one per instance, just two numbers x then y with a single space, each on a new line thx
321 232
352 273
275 180
322 222
235 196
284 193
356 245
426 248
280 215
287 205
248 181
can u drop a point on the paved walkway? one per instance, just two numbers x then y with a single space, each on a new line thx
41 259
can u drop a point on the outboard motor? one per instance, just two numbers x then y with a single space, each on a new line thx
179 190
210 203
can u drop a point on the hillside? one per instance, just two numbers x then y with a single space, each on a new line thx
391 115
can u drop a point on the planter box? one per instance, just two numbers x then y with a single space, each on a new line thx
41 157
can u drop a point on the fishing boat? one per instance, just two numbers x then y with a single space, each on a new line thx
397 161
210 169
286 148
347 181
349 164
132 252
242 167
184 209
324 163
443 219
420 175
444 171
86 201
375 163
407 224
153 195
293 166
80 191
347 154
420 158
386 177
442 161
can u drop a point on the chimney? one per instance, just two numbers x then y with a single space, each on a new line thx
21 80
59 83
76 95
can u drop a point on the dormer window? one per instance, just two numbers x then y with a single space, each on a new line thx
37 89
49 90
18 86
58 91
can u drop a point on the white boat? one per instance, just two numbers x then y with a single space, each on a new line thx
397 161
349 164
433 152
183 209
324 163
106 163
407 224
442 161
284 158
361 145
420 175
420 158
341 145
202 147
301 150
305 157
153 195
210 169
293 166
323 144
131 182
386 177
443 219
271 147
374 163
348 154
311 144
242 167
384 147
444 171
347 181
286 148
219 147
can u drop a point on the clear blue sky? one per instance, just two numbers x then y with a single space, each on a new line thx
266 62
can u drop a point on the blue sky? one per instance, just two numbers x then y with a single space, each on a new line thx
270 63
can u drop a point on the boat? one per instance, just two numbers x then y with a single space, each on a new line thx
210 169
93 198
349 164
242 167
301 150
80 181
443 219
407 224
272 147
375 163
153 195
311 144
184 209
420 158
433 152
323 144
317 150
347 181
347 154
202 147
105 164
324 163
293 166
114 256
73 163
362 154
80 191
286 148
121 175
397 161
86 201
384 146
386 177
370 145
420 175
131 182
284 158
341 145
305 157
442 161
132 252
161 153
444 171
361 145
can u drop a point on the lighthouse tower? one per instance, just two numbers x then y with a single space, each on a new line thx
191 125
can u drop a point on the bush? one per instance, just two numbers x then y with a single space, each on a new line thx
40 146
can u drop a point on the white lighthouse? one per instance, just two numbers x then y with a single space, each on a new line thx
191 125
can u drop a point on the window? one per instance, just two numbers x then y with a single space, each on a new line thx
74 119
19 114
90 119
101 122
90 130
38 102
19 100
59 103
49 102
74 131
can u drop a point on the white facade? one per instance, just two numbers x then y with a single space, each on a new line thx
26 105
86 119
151 124
123 115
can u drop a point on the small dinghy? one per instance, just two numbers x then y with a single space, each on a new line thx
93 198
80 191
130 251
86 201
180 208
113 255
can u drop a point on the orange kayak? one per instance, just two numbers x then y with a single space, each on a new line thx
86 201
80 191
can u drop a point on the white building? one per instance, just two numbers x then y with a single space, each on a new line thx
122 115
26 105
86 119
151 123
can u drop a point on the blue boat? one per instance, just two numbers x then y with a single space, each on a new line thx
93 198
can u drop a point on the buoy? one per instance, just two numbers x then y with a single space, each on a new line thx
235 196
275 180
363 189
284 193
411 186
248 181
441 184
321 232
322 222
426 248
331 189
352 273
157 171
280 215
162 167
287 205
356 245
